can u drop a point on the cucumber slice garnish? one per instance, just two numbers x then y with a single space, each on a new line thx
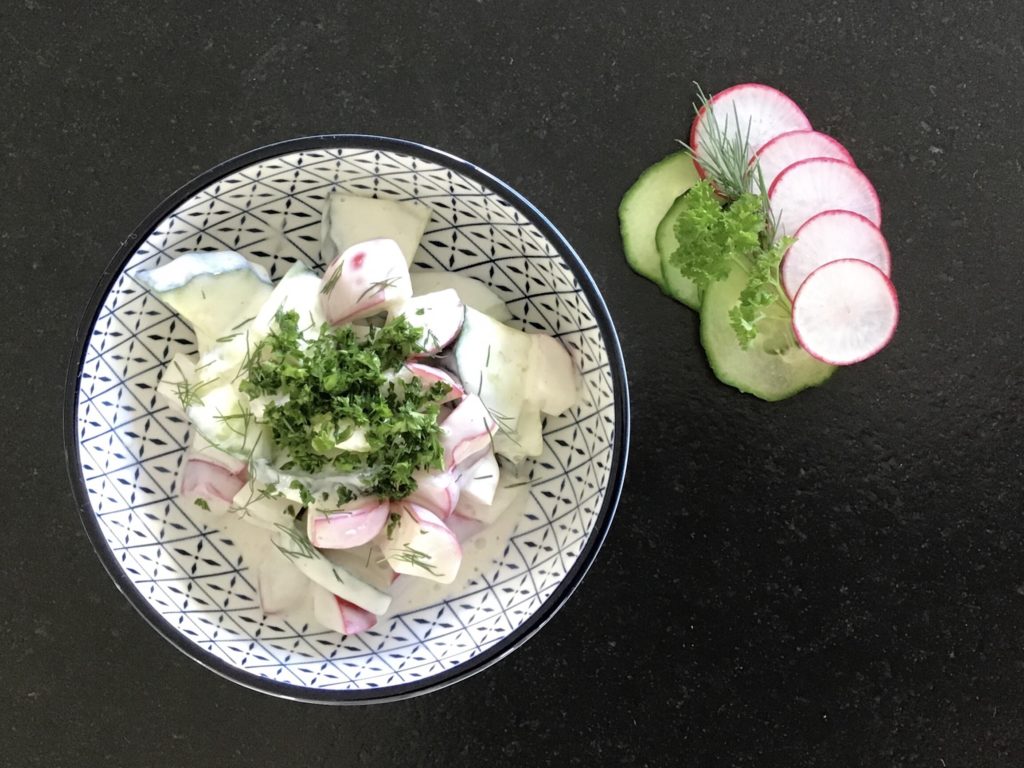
680 288
773 368
645 204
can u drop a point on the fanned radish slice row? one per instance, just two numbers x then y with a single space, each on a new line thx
787 148
761 109
829 236
845 312
808 187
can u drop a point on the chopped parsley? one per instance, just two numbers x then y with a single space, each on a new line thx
336 406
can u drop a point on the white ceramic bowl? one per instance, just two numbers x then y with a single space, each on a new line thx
188 578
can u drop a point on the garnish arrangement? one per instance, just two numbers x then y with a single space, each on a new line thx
368 420
769 230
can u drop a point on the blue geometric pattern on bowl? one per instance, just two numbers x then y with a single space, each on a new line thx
188 577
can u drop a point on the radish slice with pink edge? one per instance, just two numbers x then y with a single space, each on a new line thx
467 432
808 187
420 544
365 279
845 312
437 491
430 375
830 236
439 315
787 148
339 614
350 525
758 112
210 482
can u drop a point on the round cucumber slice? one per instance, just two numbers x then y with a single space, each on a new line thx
773 368
645 204
680 288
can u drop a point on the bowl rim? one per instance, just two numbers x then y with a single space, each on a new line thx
565 588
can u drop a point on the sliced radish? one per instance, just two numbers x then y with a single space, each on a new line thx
201 479
280 584
365 279
350 525
793 146
757 112
466 433
339 614
430 376
437 491
479 481
438 314
420 544
206 451
512 488
808 187
845 312
830 236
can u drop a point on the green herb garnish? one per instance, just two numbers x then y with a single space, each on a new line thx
202 504
415 557
337 385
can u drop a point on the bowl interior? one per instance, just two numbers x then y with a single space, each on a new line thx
188 577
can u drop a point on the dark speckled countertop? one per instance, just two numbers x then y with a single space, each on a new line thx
836 580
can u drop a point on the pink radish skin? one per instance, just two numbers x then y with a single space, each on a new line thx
340 615
440 314
809 187
280 584
466 433
420 531
211 482
430 376
768 112
365 279
788 148
845 312
437 491
206 451
350 525
829 236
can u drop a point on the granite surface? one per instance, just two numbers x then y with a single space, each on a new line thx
833 580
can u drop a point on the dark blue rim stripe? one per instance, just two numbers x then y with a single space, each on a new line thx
542 615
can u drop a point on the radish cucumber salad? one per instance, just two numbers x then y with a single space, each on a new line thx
362 424
769 230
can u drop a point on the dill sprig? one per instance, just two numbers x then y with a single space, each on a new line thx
415 557
725 149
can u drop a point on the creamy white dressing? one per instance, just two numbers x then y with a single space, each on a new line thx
481 553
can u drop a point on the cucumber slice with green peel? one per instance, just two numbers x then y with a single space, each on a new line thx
645 204
773 368
680 288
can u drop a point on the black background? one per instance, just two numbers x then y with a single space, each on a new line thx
832 580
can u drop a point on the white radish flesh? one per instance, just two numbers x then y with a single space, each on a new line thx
754 111
280 584
829 236
203 449
350 525
439 315
340 615
479 482
793 146
367 278
467 432
420 544
253 505
428 376
464 528
809 187
512 489
472 293
217 486
291 541
349 219
438 491
845 312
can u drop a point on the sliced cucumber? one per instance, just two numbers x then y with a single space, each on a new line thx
645 204
774 367
350 219
680 288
